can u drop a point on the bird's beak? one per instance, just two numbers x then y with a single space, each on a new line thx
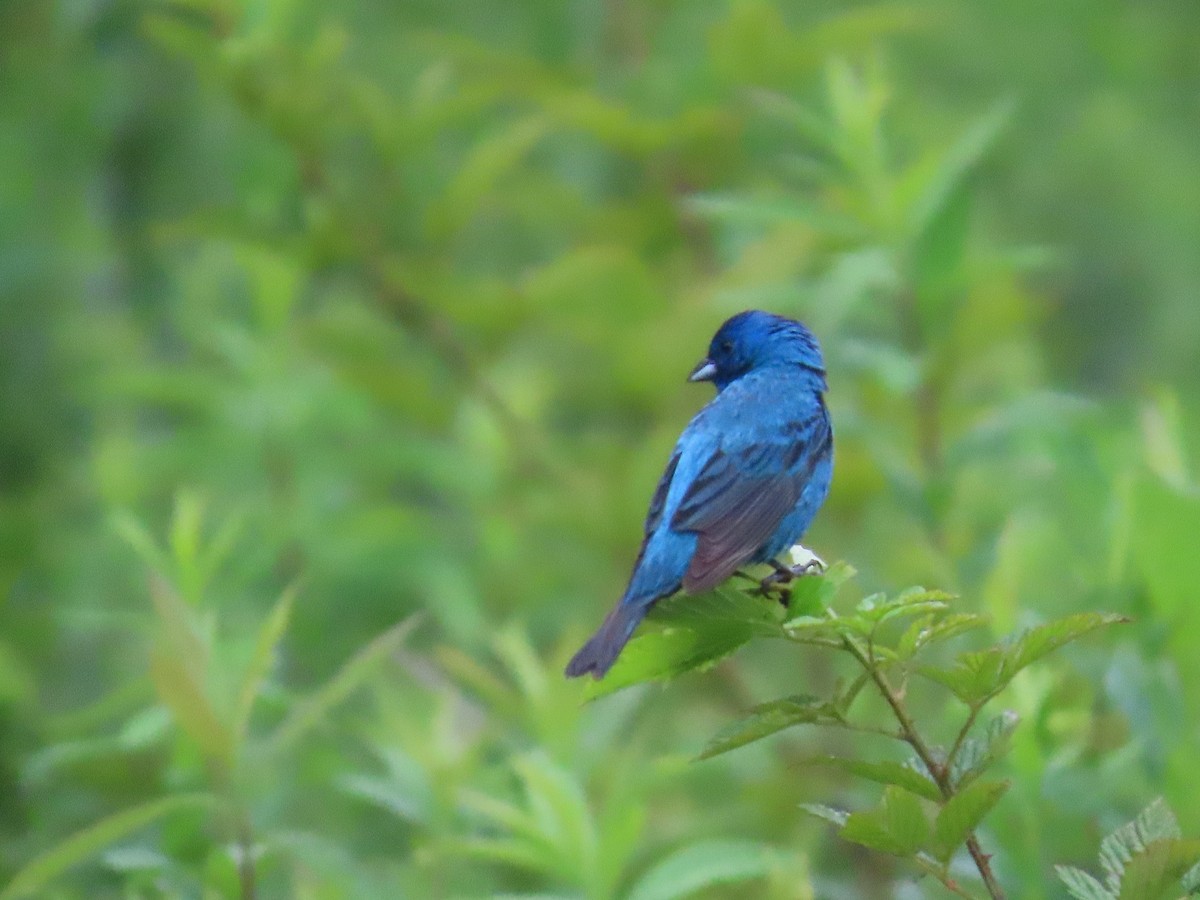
706 370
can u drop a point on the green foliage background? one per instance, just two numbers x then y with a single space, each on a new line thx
342 343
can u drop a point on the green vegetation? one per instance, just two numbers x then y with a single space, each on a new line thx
342 344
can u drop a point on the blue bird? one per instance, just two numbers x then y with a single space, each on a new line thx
746 478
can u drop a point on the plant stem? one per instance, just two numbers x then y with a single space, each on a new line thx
246 874
939 771
947 882
960 737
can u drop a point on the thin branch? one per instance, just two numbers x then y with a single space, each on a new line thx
943 876
939 771
961 737
245 865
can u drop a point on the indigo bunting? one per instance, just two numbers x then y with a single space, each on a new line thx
746 478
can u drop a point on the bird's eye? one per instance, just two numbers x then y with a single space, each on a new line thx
726 346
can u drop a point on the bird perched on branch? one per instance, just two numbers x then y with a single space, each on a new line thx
746 478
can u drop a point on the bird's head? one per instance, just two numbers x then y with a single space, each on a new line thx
754 340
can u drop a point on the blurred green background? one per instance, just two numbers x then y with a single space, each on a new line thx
342 344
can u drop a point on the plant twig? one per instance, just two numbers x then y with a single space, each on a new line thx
245 864
930 867
939 771
961 737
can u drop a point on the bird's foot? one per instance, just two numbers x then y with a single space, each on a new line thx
775 584
805 561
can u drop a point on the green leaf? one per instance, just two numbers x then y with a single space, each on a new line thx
973 677
897 826
695 632
177 632
663 655
490 160
694 868
1045 639
504 815
914 601
959 162
910 603
886 772
185 541
269 636
39 872
933 630
179 670
812 594
838 817
516 853
1157 871
1081 885
978 676
767 719
1145 859
349 678
976 755
722 608
1155 823
141 542
962 814
745 211
937 257
183 694
559 805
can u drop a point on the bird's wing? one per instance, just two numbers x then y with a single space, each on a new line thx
743 491
654 514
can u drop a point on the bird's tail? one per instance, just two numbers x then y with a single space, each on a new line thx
603 647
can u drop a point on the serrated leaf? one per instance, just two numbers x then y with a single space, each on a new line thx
694 868
972 677
1155 823
962 814
976 755
1081 885
812 594
663 655
885 772
897 826
1191 880
1145 859
815 630
830 814
767 719
1045 639
721 608
933 630
978 676
1156 872
907 609
33 878
699 631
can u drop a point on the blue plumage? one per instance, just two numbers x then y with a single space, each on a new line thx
746 478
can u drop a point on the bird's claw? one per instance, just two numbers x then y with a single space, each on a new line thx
805 561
